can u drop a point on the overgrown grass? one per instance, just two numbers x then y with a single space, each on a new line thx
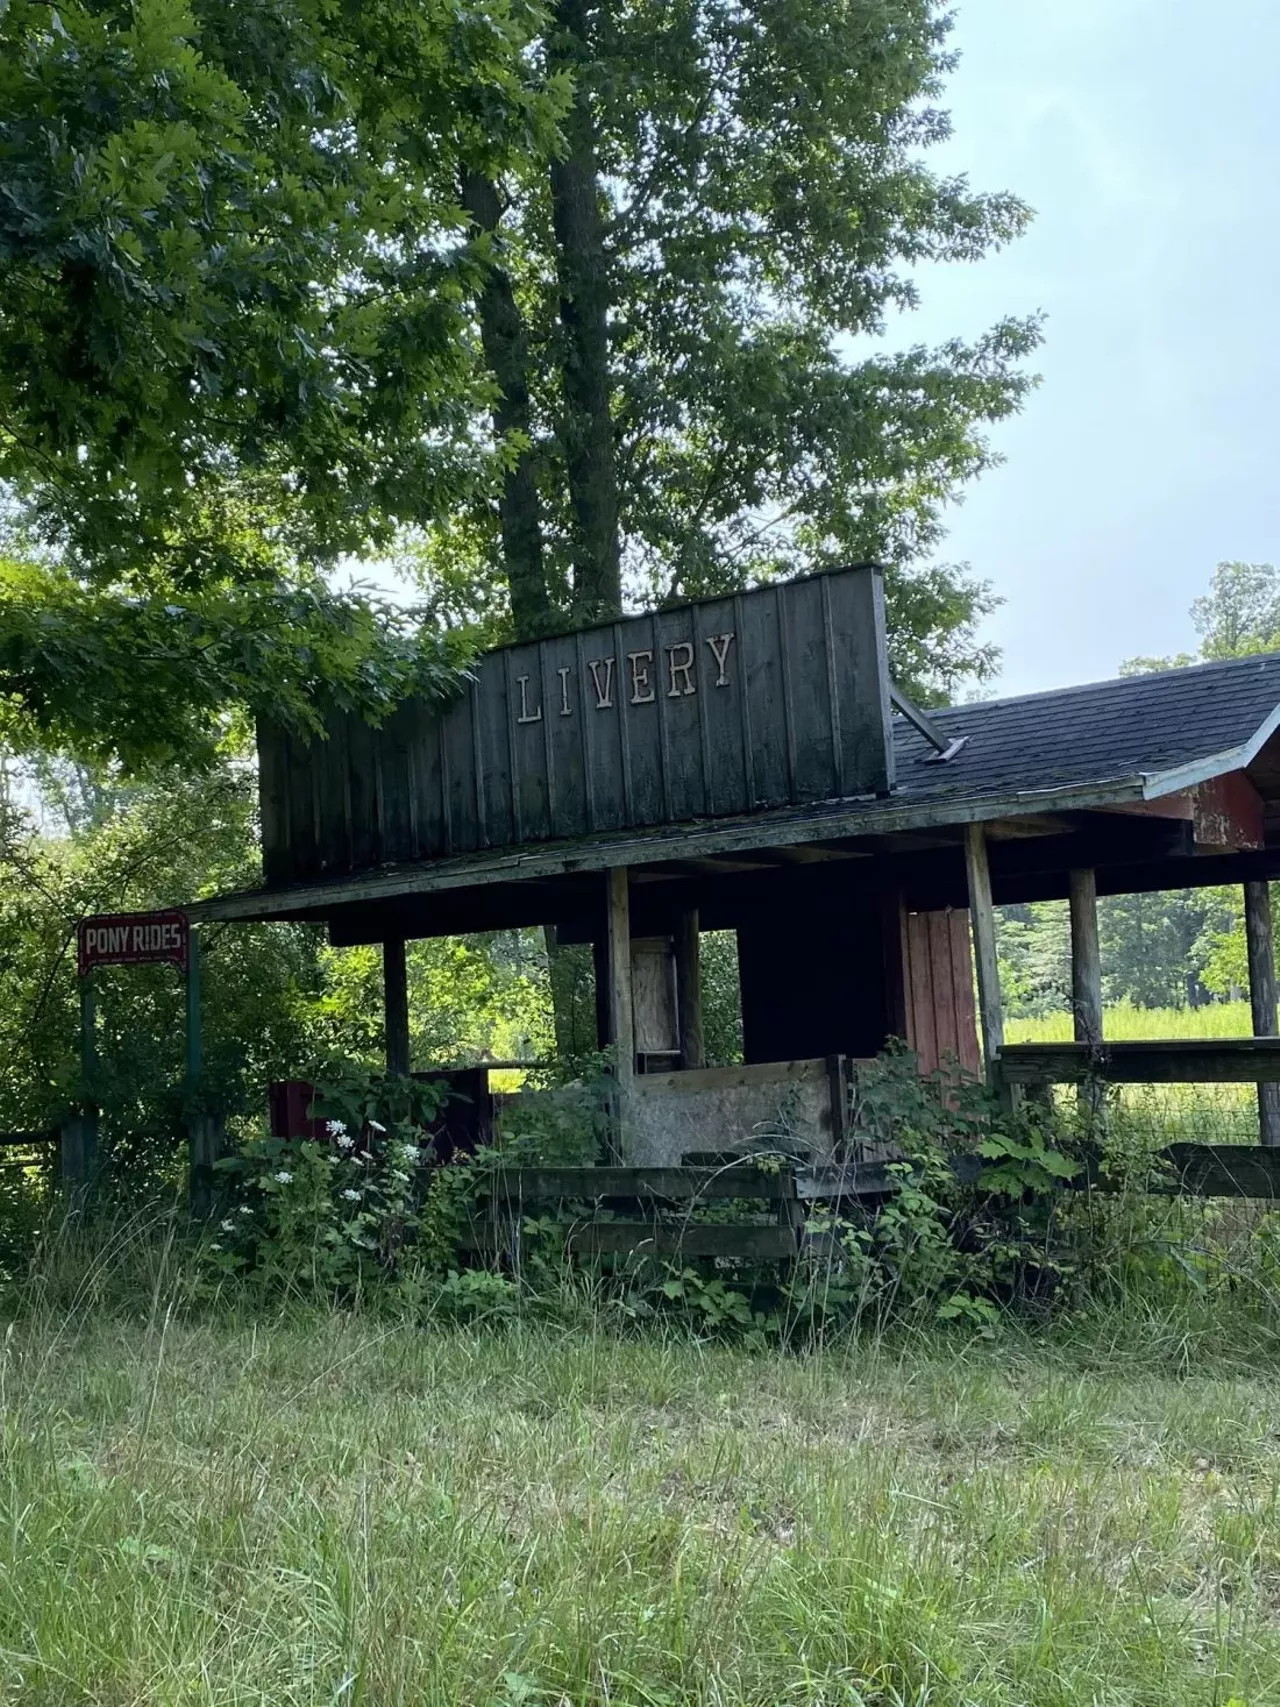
1161 1114
1125 1023
320 1509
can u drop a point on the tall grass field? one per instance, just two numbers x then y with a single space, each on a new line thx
324 1510
1154 1115
1124 1023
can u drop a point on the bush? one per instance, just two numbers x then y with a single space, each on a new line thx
335 1216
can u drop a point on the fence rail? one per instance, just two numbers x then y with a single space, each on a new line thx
616 1211
1180 1061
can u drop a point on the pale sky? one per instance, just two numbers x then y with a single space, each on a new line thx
1142 132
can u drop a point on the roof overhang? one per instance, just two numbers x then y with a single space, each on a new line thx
787 828
1157 784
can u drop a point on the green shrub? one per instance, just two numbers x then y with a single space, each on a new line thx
336 1216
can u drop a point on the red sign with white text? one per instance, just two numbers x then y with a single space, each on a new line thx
134 939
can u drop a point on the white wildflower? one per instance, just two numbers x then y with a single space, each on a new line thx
284 1177
337 1128
351 1196
215 1246
246 1209
345 1141
409 1155
399 1176
376 1126
227 1226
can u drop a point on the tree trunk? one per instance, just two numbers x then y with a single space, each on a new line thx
582 269
506 349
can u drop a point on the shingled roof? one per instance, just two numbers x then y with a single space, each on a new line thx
1169 729
1106 743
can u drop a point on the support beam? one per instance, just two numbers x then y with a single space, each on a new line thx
395 987
982 916
618 992
689 989
80 1134
621 1020
1086 958
1262 996
204 1130
604 1009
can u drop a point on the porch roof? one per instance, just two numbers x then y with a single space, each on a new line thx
1102 745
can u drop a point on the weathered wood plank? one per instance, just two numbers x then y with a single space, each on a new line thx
759 647
983 919
1262 996
852 1180
1226 1170
273 804
727 1078
543 1185
1184 1061
646 1238
747 1244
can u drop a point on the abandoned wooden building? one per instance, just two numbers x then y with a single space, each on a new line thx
745 763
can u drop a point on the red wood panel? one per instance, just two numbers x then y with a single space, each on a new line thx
1228 813
942 1021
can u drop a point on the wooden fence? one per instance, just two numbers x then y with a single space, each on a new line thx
647 1211
1182 1061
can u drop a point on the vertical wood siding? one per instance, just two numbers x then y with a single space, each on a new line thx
942 1019
727 706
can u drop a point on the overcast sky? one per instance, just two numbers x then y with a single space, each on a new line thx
1143 133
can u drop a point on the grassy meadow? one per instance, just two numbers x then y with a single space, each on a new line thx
226 1508
1154 1115
320 1509
1124 1023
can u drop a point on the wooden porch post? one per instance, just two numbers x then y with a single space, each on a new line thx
1086 981
1262 996
79 1146
621 1017
982 915
395 987
689 989
622 1035
204 1130
1086 959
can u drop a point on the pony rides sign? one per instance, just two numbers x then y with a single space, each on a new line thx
134 939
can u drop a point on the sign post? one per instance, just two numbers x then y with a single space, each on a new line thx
145 939
203 1132
79 1147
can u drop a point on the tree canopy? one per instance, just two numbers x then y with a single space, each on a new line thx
679 313
223 266
578 299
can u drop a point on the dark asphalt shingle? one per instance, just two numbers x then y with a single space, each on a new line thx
1100 732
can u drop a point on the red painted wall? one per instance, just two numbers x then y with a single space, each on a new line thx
941 1012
